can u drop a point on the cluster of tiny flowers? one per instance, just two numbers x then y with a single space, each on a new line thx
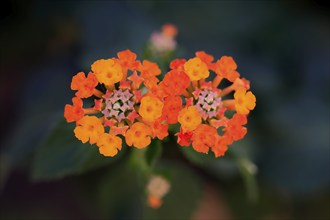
204 119
162 42
136 107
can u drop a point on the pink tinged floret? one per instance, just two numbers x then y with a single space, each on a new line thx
125 85
219 123
110 122
107 94
118 105
97 104
138 95
208 104
132 116
189 101
196 93
114 130
121 116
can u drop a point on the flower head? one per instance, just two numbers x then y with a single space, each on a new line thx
161 43
203 119
121 107
157 188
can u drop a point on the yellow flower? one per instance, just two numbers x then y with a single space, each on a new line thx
244 101
196 69
151 108
109 144
189 118
89 128
108 71
138 135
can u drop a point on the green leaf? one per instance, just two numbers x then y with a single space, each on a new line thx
61 154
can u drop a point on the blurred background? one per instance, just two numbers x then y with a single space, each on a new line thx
282 47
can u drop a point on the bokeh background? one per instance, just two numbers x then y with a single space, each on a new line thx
282 47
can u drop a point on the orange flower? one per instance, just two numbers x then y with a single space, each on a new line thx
85 86
149 69
175 82
235 129
74 112
157 188
196 69
108 71
226 67
154 202
244 101
159 130
109 144
89 128
138 135
206 58
177 64
136 80
184 138
127 59
169 30
172 106
221 145
150 108
203 138
189 118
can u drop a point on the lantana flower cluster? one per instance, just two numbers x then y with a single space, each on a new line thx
132 105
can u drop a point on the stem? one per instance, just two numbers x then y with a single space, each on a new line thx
230 104
195 84
227 90
186 94
98 93
217 81
90 111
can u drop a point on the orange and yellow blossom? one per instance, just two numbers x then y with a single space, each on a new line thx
206 105
189 118
151 108
184 96
138 135
171 109
196 69
244 101
107 71
74 112
89 128
85 86
203 138
123 111
221 145
109 144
